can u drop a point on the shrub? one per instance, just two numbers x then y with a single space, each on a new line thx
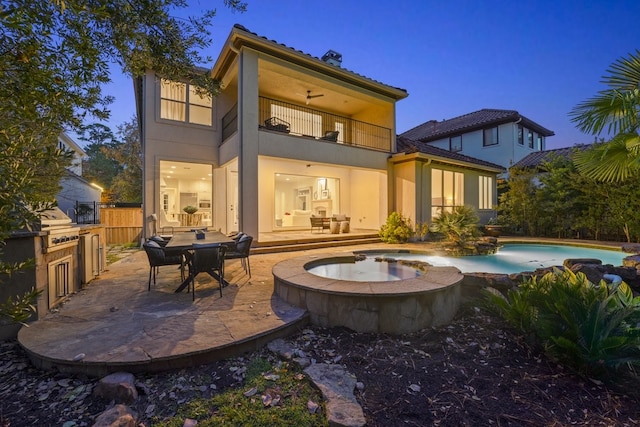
397 229
458 226
591 328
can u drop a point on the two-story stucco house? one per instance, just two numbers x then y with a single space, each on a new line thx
499 136
289 136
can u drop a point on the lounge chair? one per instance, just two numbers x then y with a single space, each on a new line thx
331 135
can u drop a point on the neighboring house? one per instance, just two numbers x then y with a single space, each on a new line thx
76 192
290 135
538 159
498 136
430 180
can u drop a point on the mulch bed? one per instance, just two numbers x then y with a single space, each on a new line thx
473 372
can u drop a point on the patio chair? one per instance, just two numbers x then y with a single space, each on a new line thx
158 257
331 135
206 258
241 252
274 123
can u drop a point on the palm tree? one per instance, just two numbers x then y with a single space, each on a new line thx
615 109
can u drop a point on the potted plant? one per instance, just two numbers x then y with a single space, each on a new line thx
190 209
493 228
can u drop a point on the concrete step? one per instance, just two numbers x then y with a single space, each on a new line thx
300 245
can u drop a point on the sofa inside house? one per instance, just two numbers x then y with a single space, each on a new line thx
296 218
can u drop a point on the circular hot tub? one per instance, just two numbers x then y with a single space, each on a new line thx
410 299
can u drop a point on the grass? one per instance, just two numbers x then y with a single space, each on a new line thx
272 395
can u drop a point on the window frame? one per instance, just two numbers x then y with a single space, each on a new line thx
457 190
188 106
484 136
452 147
520 136
485 192
530 138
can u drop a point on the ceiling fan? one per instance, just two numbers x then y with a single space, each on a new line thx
310 97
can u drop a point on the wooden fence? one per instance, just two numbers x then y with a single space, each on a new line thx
122 225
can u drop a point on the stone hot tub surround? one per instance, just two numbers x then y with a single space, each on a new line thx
396 307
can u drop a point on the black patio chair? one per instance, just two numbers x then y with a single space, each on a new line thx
158 257
206 258
331 135
241 252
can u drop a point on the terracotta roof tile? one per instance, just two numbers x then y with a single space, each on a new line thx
409 146
243 28
536 159
433 129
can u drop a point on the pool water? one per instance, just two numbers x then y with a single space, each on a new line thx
365 271
511 258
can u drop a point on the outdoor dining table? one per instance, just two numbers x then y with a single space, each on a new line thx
184 241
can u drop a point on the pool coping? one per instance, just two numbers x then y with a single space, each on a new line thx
294 272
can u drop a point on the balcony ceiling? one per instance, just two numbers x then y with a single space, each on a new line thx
291 85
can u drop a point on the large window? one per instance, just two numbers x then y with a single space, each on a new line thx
181 185
485 192
447 191
540 142
181 102
297 197
490 137
455 143
530 138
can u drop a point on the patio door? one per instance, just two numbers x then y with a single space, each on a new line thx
232 201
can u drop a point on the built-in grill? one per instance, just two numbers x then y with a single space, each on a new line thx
59 231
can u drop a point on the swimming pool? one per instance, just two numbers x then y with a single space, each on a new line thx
511 258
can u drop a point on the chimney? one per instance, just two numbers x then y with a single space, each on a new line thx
332 57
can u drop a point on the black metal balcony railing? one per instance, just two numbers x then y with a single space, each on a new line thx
321 125
230 122
297 120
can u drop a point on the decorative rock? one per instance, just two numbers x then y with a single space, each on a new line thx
632 261
281 348
119 386
570 262
118 416
631 248
337 386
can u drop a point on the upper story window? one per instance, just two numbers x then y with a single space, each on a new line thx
520 135
540 142
455 143
530 138
181 102
490 137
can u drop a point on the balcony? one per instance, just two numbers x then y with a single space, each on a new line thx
306 122
303 121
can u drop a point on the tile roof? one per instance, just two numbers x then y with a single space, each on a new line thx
409 146
433 129
536 159
243 28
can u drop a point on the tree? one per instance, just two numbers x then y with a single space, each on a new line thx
556 197
54 56
98 167
518 206
127 184
615 110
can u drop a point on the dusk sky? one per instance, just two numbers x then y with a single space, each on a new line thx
540 58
